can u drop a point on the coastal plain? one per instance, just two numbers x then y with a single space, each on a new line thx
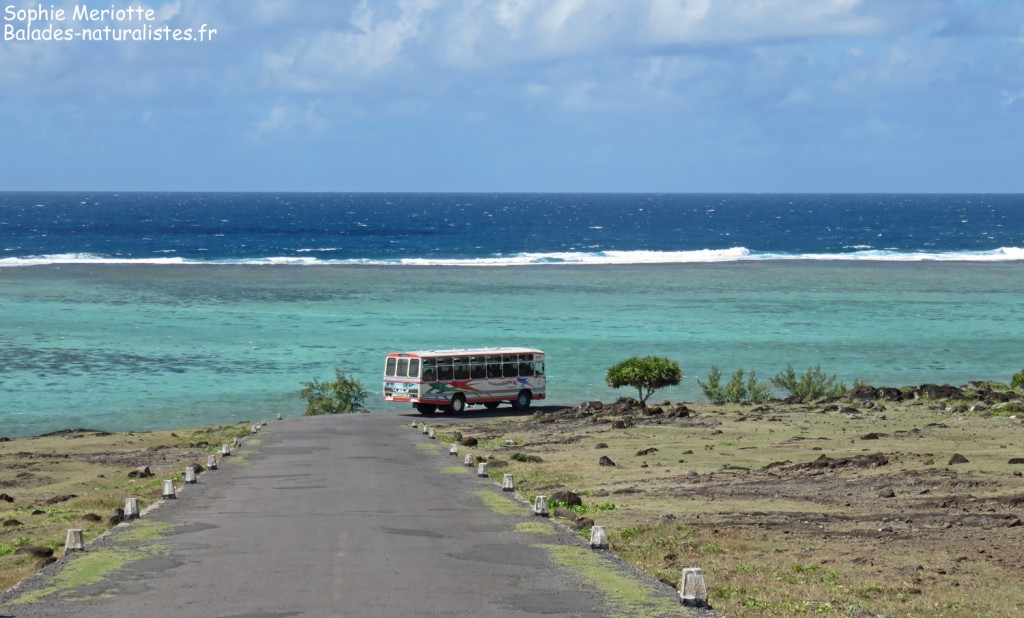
853 507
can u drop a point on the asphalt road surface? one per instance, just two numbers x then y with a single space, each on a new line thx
331 516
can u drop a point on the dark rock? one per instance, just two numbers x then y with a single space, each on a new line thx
592 405
91 517
606 461
627 490
468 441
583 523
38 512
569 498
936 391
198 468
456 436
873 436
564 513
647 451
140 473
887 493
655 411
116 517
45 562
600 445
1016 460
6 498
957 459
34 550
59 499
679 411
10 523
621 424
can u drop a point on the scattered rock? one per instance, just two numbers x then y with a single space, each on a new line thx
6 498
457 436
140 473
45 562
468 441
10 523
564 513
601 445
957 459
116 517
873 436
59 499
91 517
887 493
646 451
566 497
583 523
1013 461
621 424
606 461
34 550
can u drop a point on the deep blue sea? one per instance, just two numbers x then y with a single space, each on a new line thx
147 310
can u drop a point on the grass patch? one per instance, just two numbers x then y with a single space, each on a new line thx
499 504
535 527
625 594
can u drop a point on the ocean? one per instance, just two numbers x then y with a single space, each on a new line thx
135 311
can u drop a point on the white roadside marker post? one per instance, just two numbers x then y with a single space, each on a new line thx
74 541
169 490
540 506
598 538
693 592
131 508
507 484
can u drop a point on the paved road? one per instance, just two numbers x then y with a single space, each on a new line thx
333 516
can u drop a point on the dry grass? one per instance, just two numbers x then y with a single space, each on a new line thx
734 491
92 467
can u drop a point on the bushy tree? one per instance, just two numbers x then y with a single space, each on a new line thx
646 374
342 396
813 384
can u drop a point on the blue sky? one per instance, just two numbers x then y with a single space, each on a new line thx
524 95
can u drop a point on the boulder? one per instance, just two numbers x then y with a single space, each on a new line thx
6 498
938 391
61 498
647 451
887 493
564 513
621 424
957 459
468 441
142 472
34 550
583 523
600 445
91 517
11 523
606 461
1016 460
569 498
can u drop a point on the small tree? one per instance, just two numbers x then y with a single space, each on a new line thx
646 374
342 396
713 387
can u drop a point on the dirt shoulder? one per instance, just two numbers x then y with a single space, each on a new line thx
875 504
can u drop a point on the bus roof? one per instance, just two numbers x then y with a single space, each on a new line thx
469 352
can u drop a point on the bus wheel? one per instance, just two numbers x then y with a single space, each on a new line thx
425 408
492 405
523 400
458 405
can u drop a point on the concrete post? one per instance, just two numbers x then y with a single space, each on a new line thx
598 538
190 475
540 506
692 590
74 541
453 450
481 470
211 462
169 489
507 484
131 508
468 461
225 450
432 434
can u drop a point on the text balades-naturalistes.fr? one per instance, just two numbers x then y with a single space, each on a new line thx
58 24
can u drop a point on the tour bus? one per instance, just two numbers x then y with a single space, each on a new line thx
454 379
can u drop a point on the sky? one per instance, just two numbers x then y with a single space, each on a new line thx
515 95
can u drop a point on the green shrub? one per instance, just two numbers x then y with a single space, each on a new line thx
813 384
1018 380
646 374
737 390
517 456
342 396
713 387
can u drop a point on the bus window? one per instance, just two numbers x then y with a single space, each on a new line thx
429 362
538 368
429 374
461 372
459 360
493 370
509 358
525 358
478 371
414 367
493 359
403 367
510 370
444 360
389 368
444 372
526 369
